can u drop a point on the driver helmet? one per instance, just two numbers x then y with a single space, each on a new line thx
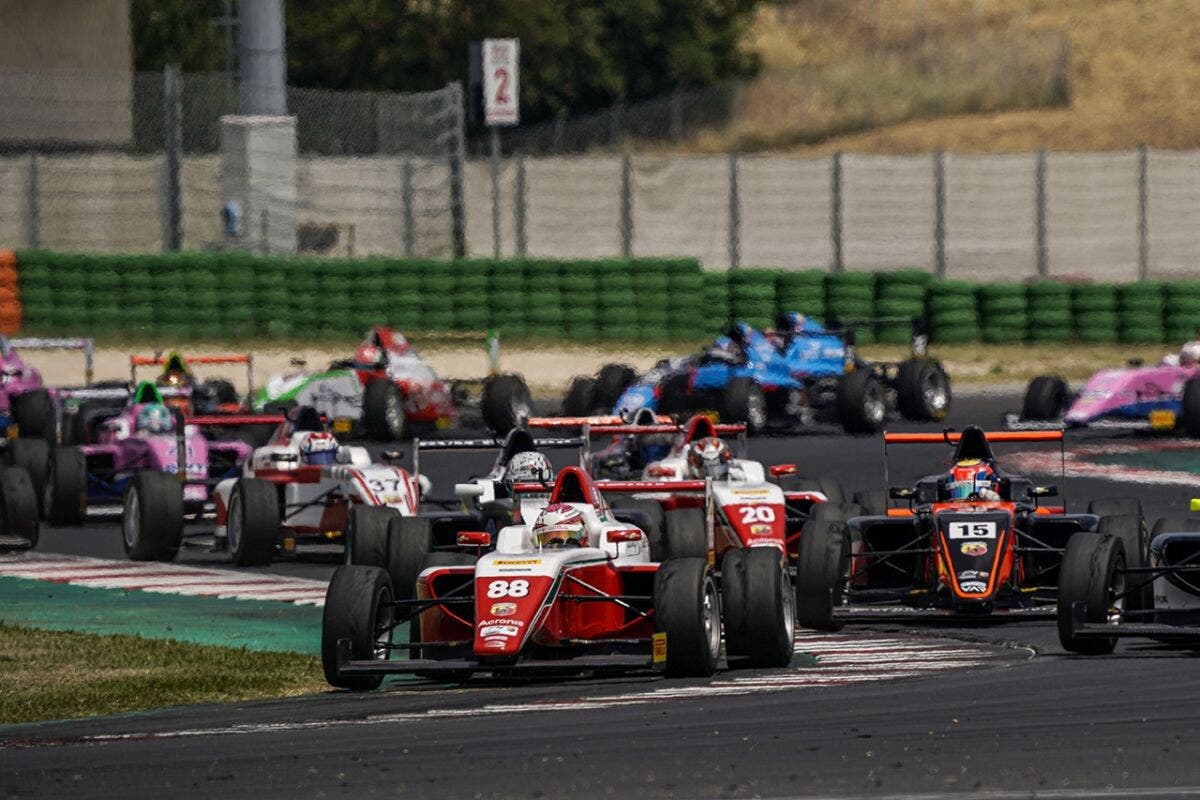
318 447
652 446
790 322
709 458
560 525
527 467
1189 355
369 356
155 418
972 477
175 372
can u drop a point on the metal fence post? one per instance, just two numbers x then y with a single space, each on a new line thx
519 208
627 206
614 122
173 144
939 213
735 214
33 204
835 211
1143 212
410 217
494 140
1043 260
457 154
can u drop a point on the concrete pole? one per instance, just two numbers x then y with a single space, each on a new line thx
262 58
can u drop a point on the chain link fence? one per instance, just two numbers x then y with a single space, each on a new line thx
102 167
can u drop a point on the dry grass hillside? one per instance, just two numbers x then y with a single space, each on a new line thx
1134 70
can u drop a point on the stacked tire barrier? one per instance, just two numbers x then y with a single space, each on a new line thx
215 296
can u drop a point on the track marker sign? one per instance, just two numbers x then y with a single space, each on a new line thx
501 81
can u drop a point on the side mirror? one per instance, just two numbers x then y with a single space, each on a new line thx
901 493
392 455
468 490
473 539
777 470
624 535
1044 491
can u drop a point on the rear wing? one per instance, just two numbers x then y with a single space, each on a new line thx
452 445
234 420
86 345
738 428
590 422
158 360
918 343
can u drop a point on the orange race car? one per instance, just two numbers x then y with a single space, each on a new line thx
972 540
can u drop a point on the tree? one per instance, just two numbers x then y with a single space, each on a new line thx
179 32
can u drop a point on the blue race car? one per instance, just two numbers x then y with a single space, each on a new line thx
797 374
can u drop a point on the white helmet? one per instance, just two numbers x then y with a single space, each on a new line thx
1189 354
318 447
527 467
560 525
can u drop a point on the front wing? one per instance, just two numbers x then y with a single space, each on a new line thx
615 662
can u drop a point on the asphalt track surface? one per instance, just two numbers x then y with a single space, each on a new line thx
1027 720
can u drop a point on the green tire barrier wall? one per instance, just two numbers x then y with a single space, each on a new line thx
237 295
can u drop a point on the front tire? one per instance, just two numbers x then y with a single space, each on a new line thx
394 543
685 533
759 607
34 415
744 401
358 607
1046 398
861 402
688 610
579 400
611 382
66 487
152 517
505 403
1191 407
923 390
32 455
1089 575
19 507
252 529
383 411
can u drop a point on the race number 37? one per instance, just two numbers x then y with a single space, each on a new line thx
515 588
972 530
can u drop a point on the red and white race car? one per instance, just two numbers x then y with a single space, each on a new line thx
574 590
387 386
303 487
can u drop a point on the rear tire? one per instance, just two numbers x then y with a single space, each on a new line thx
873 502
367 537
66 487
611 382
383 411
733 602
923 390
152 517
744 401
647 515
34 414
19 507
860 402
254 510
1191 407
579 400
1087 575
505 403
32 455
1115 506
685 534
1131 530
357 607
688 610
821 574
410 540
1046 398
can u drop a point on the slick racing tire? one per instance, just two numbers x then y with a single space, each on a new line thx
383 411
821 573
33 456
923 390
65 500
861 402
505 403
33 412
1135 540
838 512
252 526
1191 407
152 517
685 535
358 607
1089 574
759 607
579 401
1113 506
744 401
873 502
1046 398
611 382
687 609
19 510
647 515
399 545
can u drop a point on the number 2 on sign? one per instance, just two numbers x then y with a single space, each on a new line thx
517 588
757 514
501 76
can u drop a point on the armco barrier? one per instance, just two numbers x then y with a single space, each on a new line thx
236 295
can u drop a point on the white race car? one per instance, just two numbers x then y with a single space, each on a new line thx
303 487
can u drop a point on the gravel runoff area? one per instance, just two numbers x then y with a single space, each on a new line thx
548 368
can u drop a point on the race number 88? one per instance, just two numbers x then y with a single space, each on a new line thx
517 588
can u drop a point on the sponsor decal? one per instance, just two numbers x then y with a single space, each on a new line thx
973 587
972 530
499 630
762 542
749 492
760 530
526 562
975 549
503 621
973 575
659 648
497 644
504 609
